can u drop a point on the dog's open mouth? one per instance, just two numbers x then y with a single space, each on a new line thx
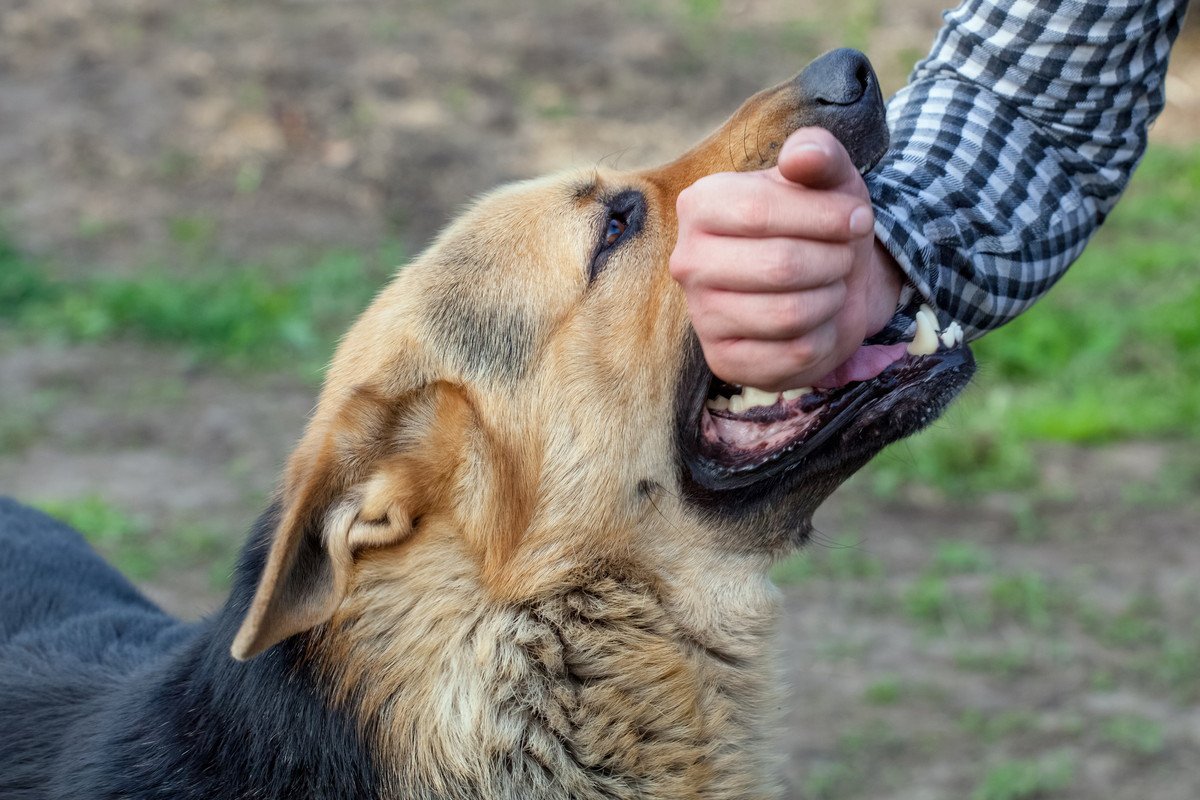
738 436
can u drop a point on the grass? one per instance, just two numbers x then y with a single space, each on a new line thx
842 559
119 536
1113 352
960 558
231 313
1025 598
133 545
1026 780
884 692
1134 734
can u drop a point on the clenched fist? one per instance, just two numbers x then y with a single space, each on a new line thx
783 276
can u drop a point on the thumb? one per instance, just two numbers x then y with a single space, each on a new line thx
813 157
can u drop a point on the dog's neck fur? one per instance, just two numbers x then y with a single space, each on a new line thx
612 684
615 683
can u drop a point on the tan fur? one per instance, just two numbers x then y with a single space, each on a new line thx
516 602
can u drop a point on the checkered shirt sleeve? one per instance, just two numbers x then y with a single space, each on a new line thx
1010 145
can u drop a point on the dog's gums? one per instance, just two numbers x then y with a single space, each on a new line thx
745 435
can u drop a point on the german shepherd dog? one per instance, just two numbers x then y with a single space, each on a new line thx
520 552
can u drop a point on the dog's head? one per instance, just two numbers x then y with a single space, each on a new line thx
527 396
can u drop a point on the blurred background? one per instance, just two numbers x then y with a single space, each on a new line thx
196 198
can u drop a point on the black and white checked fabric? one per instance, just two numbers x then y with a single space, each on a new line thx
1010 145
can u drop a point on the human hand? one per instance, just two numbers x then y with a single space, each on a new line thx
783 276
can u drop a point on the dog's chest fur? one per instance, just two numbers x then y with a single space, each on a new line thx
596 690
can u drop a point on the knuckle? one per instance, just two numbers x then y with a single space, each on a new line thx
789 315
718 356
827 301
801 353
681 265
842 264
687 200
778 265
751 210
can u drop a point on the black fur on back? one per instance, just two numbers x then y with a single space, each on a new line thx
103 695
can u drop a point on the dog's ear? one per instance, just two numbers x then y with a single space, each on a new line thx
357 480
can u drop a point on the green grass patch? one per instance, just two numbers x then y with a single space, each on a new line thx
938 606
1026 780
842 559
1133 733
117 535
884 692
1112 352
956 557
1007 661
940 603
1175 666
830 780
994 726
132 545
1140 624
1025 598
231 313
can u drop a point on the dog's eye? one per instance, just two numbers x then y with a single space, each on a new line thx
616 227
626 214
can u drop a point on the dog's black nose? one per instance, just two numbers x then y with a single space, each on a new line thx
840 77
840 92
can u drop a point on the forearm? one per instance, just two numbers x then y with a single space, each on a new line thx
1011 145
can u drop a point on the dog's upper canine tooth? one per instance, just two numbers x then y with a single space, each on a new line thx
757 397
925 341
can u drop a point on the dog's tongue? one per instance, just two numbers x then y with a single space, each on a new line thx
865 363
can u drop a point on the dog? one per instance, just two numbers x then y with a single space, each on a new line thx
521 550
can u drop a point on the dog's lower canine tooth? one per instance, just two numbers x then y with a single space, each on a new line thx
737 404
929 312
925 341
793 394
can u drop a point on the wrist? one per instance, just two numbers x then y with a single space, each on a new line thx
884 284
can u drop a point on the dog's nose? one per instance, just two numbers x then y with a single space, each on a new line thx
840 92
840 77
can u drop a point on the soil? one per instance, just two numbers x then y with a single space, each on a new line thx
289 126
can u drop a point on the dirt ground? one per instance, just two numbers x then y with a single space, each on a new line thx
287 126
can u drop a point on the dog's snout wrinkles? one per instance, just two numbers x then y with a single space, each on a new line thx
840 77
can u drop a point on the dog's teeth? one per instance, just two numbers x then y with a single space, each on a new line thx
737 404
793 394
931 315
925 341
718 403
952 336
757 397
